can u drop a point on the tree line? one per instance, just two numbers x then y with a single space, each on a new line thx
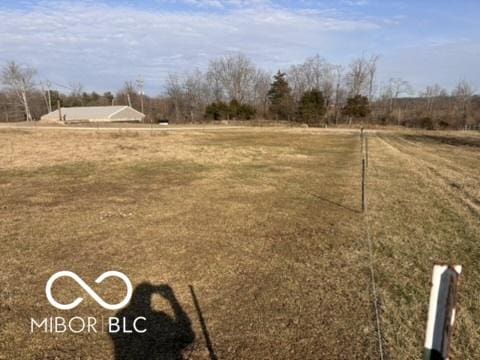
233 87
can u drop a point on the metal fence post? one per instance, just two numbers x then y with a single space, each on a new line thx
363 185
366 151
361 140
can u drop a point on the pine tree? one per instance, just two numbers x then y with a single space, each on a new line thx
312 106
231 111
280 97
357 107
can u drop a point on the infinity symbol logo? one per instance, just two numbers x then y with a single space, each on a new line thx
88 289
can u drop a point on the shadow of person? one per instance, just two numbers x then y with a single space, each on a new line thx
161 336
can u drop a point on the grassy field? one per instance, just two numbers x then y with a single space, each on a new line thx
264 224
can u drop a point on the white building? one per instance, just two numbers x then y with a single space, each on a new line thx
94 114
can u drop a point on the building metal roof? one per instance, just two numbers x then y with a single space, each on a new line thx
95 113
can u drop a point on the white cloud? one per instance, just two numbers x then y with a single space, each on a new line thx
101 46
356 2
222 4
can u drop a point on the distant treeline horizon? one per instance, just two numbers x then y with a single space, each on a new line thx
233 87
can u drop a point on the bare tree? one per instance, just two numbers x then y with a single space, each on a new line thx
463 93
357 78
339 91
261 89
360 77
394 89
75 96
233 77
431 95
20 80
196 94
174 90
128 91
315 73
76 89
189 94
236 77
214 82
372 73
297 80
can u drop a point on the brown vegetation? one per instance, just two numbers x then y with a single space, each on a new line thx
264 223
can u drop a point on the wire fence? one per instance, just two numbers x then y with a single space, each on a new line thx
374 286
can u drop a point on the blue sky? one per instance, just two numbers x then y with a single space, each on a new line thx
101 44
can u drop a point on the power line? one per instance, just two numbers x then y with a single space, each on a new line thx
62 86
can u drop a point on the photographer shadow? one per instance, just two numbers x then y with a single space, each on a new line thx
166 337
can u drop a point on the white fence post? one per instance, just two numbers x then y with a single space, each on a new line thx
441 312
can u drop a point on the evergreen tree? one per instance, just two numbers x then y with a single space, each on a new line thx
232 111
357 107
312 106
217 111
241 111
280 96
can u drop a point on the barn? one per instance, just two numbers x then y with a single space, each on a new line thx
94 114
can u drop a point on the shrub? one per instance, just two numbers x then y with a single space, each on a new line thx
233 110
312 106
217 111
357 107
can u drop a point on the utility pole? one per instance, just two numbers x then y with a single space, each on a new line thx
140 85
46 95
49 95
59 111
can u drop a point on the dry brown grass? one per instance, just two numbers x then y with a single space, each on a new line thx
424 205
264 223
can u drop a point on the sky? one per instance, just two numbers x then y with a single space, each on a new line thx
101 44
